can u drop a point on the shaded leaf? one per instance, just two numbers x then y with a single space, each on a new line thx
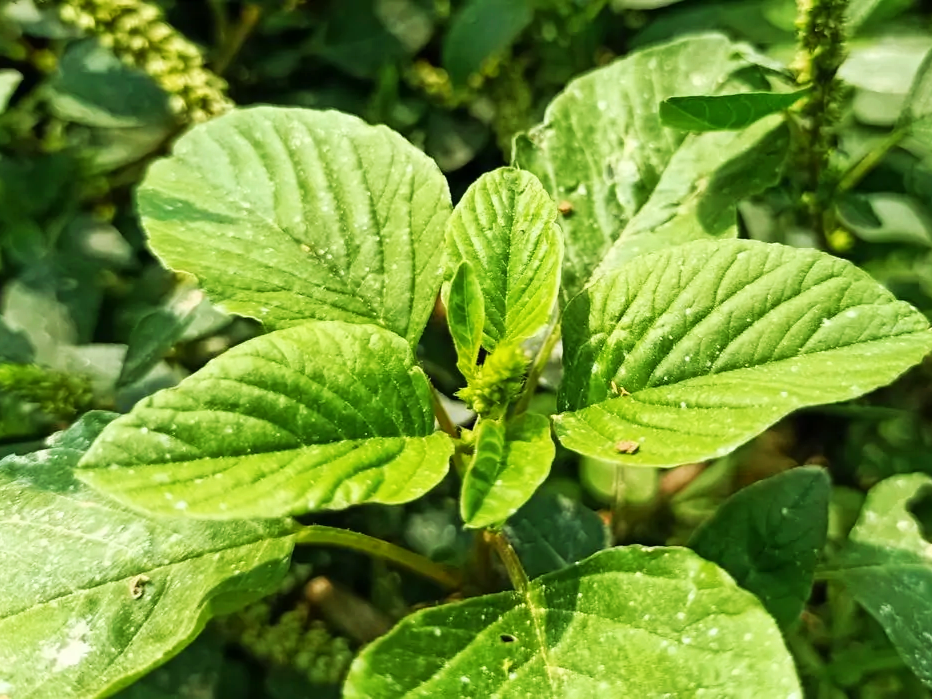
917 111
320 416
633 184
627 622
157 332
505 227
724 112
551 531
887 567
479 30
897 218
511 460
716 341
466 317
288 215
769 537
94 595
14 345
9 81
192 674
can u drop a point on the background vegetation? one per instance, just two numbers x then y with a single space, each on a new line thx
93 90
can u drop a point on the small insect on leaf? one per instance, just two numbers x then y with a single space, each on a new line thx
137 585
627 446
565 208
618 390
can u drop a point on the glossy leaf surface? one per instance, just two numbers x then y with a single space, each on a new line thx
505 227
714 342
627 622
288 215
319 416
94 595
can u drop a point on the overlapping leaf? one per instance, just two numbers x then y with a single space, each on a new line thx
887 566
627 622
512 459
631 185
288 215
94 595
504 226
692 351
769 537
466 317
319 416
724 112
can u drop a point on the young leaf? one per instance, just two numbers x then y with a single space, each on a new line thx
632 184
510 462
713 342
627 622
93 595
769 536
505 227
289 215
887 566
724 112
466 317
551 531
319 416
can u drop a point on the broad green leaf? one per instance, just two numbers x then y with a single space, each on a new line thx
195 673
14 345
320 416
630 184
505 227
627 622
713 342
897 218
887 566
769 537
860 11
94 595
724 112
551 531
480 30
511 460
289 215
466 317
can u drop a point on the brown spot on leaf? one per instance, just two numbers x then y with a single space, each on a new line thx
627 446
565 208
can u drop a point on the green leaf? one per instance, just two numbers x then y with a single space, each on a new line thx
512 459
724 112
14 345
91 88
716 341
627 622
76 618
9 81
157 332
195 673
288 215
551 531
630 184
505 227
769 536
917 111
482 29
466 317
897 218
320 416
887 567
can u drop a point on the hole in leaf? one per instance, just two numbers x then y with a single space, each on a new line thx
920 507
507 638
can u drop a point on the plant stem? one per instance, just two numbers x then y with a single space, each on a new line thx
506 552
869 161
537 368
234 40
319 535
